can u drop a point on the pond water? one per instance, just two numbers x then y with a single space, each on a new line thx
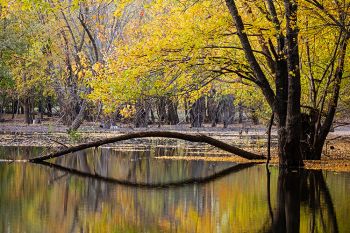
129 189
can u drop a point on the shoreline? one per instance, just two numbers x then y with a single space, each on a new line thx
336 152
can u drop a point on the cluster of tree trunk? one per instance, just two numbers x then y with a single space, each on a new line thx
197 113
300 136
215 109
167 111
161 110
223 111
165 107
33 109
218 109
141 118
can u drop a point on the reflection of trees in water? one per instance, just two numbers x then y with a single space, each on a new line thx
19 152
134 164
145 208
302 198
319 202
140 166
308 189
95 191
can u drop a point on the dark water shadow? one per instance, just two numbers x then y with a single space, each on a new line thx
296 189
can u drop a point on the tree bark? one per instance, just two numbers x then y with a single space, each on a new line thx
197 113
27 111
186 103
142 112
172 115
211 108
79 118
240 112
161 110
261 79
41 108
228 110
292 156
327 124
286 103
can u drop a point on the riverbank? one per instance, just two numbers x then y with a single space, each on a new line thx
253 138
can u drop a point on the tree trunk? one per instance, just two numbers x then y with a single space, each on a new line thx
153 119
162 134
197 113
211 110
161 110
173 117
280 107
41 108
79 119
294 142
2 110
333 103
254 116
49 106
142 112
228 110
240 112
288 133
68 108
187 118
14 108
292 153
216 114
27 111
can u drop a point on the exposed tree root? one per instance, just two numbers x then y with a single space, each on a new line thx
161 134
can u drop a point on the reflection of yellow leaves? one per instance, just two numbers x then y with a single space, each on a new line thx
164 224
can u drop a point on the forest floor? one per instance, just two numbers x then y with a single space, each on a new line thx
50 133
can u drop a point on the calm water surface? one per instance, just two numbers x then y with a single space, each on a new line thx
94 191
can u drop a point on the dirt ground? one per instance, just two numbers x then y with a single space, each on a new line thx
50 133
